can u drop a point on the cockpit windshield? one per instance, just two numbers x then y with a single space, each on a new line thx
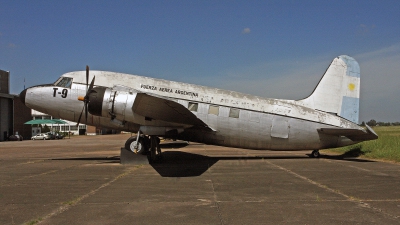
64 82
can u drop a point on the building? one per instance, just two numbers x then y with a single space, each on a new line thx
68 127
13 113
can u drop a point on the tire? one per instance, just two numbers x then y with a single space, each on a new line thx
315 154
130 143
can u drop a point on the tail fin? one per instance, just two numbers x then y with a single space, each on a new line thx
338 91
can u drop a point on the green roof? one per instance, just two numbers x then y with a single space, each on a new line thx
53 121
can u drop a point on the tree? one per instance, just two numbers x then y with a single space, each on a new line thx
45 129
371 123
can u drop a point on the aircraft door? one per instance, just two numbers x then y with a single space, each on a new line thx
280 127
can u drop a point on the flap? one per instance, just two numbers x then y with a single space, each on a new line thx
155 107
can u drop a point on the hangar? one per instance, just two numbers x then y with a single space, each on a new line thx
13 113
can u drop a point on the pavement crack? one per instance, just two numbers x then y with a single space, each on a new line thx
32 162
360 202
356 167
216 203
36 175
67 205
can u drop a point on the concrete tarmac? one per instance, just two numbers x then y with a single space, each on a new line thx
80 181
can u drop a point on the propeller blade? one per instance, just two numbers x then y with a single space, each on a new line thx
86 99
86 112
90 87
79 119
87 76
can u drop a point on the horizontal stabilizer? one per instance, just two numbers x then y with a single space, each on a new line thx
352 134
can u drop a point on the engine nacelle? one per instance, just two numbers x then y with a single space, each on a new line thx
114 103
117 104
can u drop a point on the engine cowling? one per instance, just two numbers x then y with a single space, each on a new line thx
112 103
117 104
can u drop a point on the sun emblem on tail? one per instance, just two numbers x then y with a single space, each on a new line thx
351 86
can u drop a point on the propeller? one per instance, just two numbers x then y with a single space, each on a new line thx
85 98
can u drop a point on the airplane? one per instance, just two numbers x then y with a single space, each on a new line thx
153 108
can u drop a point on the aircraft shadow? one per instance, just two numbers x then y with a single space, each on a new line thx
344 157
113 159
184 164
173 145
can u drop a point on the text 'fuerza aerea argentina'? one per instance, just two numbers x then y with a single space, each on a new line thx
169 90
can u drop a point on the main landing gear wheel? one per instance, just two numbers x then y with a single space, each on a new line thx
155 150
315 154
141 146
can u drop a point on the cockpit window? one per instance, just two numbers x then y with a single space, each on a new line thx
64 82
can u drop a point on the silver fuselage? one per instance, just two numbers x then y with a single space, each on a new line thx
261 123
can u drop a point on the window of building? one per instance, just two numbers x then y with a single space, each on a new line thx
65 82
213 110
193 106
234 113
73 128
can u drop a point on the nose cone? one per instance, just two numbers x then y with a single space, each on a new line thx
22 96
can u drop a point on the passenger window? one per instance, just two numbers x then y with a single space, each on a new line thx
65 82
193 106
234 113
213 110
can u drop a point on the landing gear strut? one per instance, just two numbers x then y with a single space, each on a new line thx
155 150
315 154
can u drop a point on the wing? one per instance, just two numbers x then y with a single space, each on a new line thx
154 107
352 134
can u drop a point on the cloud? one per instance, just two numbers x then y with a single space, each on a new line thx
296 79
380 53
380 72
364 29
246 30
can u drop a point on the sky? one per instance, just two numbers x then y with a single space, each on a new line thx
274 49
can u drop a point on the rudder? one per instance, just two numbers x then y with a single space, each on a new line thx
338 91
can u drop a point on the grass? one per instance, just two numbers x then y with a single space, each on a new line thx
33 222
386 147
